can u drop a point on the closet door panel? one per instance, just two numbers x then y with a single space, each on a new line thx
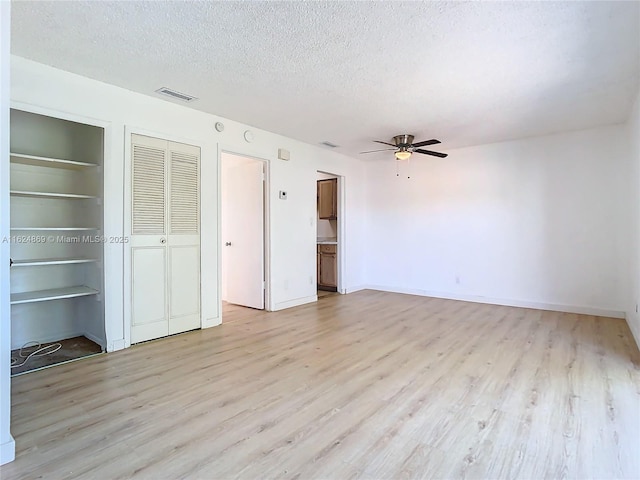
184 237
148 239
184 195
184 285
148 212
148 316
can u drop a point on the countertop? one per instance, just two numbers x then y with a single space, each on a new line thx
327 241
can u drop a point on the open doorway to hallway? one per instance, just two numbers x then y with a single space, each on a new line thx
243 230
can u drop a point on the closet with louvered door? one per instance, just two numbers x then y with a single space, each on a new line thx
57 241
165 238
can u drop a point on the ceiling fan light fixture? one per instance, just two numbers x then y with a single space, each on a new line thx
402 154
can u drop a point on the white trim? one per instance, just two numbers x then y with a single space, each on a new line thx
8 446
116 345
94 339
634 332
212 322
341 224
555 307
295 302
49 112
356 288
8 451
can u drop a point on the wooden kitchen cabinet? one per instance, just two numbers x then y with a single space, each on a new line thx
328 199
327 268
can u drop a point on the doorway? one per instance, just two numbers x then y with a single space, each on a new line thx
329 234
243 230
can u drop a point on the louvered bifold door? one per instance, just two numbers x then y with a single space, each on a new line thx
149 175
184 237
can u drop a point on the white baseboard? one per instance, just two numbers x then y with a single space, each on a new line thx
599 312
8 451
295 302
211 322
117 345
634 325
95 339
356 288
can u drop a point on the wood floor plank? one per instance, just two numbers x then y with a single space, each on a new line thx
369 385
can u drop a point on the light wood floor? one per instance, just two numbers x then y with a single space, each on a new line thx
368 385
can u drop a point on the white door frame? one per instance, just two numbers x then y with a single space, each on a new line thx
268 301
127 283
341 250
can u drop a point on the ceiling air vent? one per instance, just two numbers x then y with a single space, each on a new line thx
329 144
177 95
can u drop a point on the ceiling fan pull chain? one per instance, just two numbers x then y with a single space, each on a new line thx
408 168
397 169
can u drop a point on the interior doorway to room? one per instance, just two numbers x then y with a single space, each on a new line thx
243 230
329 234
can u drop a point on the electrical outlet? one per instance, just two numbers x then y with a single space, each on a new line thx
311 283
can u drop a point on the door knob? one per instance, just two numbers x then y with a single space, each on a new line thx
227 244
163 241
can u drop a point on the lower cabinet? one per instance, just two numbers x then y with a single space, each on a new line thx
327 268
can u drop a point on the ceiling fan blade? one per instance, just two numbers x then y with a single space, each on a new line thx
425 143
385 143
429 152
383 150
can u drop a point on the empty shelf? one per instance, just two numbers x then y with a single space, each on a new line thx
50 261
52 294
25 193
48 161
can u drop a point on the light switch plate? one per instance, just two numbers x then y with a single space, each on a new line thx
282 195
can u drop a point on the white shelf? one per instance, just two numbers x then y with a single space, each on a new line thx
26 193
53 229
51 261
53 294
49 161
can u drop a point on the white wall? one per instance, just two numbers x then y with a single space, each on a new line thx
292 246
535 222
7 445
633 133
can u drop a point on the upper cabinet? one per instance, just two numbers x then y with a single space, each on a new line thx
328 199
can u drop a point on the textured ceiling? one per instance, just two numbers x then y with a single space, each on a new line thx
350 72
